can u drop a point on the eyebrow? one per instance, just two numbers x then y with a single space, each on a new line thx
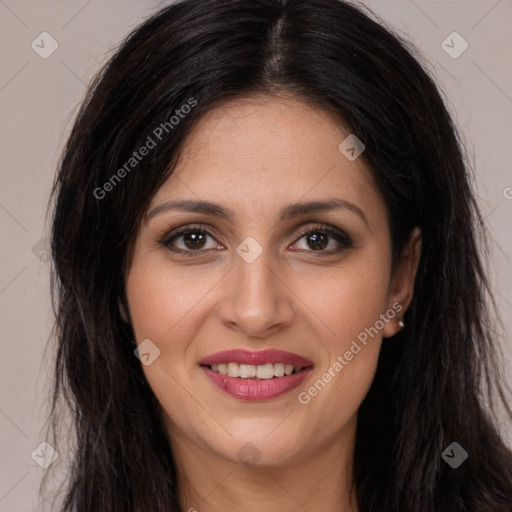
287 212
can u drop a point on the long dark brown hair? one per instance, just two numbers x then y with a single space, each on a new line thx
438 380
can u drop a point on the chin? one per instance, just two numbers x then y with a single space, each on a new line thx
261 449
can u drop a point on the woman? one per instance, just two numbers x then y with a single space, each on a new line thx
269 283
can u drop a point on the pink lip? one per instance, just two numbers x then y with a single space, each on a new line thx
253 389
242 356
256 389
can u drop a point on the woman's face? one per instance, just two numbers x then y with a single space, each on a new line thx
246 278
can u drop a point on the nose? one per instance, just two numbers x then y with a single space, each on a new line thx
256 300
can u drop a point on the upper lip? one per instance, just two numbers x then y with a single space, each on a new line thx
242 356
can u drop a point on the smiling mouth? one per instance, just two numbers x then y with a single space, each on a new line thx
265 371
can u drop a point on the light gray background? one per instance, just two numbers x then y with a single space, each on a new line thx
37 101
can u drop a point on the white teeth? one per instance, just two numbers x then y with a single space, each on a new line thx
233 370
248 371
265 371
279 369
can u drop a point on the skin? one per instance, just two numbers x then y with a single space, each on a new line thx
255 156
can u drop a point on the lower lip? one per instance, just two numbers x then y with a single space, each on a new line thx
256 390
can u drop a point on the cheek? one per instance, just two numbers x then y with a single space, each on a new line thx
163 308
168 306
162 301
350 305
359 300
347 299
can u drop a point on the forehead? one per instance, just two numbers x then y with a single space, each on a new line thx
266 152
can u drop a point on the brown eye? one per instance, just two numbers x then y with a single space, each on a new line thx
194 240
189 241
318 239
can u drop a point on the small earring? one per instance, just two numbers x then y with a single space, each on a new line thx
400 323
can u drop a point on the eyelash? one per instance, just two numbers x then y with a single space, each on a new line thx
342 238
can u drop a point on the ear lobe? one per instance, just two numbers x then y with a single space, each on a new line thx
402 282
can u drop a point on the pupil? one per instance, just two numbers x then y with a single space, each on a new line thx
193 240
317 243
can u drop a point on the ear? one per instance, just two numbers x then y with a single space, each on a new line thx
401 287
